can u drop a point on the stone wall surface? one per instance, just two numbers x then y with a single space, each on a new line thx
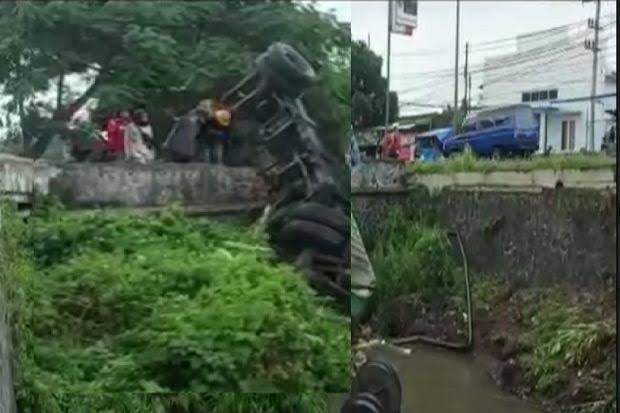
16 178
540 238
158 184
121 184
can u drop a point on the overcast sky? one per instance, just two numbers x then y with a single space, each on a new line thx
432 46
342 9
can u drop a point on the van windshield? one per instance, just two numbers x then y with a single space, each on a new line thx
524 118
426 142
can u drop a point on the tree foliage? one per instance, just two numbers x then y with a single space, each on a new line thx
164 55
368 88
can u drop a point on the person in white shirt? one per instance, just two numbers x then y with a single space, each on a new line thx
139 143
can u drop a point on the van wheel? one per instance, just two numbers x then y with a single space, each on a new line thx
496 155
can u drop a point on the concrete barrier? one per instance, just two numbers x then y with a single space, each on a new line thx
393 177
85 185
16 178
531 181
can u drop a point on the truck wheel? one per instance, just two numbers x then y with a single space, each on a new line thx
290 64
285 69
314 212
298 235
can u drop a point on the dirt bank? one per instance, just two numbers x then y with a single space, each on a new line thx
556 347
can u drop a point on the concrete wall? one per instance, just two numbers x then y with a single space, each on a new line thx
540 238
158 184
85 185
16 178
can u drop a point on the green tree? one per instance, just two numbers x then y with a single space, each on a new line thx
163 55
368 88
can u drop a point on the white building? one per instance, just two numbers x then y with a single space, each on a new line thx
553 74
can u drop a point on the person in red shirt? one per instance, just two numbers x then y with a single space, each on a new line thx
391 143
116 133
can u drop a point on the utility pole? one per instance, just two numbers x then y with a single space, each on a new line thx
389 47
456 69
469 92
595 49
465 77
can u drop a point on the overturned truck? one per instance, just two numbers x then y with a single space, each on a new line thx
309 220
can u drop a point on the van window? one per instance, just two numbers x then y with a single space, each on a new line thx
524 118
486 124
469 127
502 121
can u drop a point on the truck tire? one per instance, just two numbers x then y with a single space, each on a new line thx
314 212
298 235
285 69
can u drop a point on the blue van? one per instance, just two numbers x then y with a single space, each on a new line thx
429 145
510 130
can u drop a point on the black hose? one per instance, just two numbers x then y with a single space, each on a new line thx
469 344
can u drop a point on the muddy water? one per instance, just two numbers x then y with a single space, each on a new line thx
435 381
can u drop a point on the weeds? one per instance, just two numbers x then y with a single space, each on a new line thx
414 259
161 303
468 162
560 339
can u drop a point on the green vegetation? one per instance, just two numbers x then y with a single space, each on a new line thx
467 162
190 403
367 104
563 341
160 303
414 259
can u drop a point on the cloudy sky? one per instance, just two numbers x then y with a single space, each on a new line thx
342 9
432 46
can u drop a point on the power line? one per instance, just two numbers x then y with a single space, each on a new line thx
513 57
542 33
507 61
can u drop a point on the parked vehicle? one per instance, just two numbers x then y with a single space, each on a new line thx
510 130
429 145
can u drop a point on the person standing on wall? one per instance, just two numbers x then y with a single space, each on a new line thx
214 133
116 134
137 133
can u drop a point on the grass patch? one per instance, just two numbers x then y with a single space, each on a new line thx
160 303
562 340
194 403
468 162
414 259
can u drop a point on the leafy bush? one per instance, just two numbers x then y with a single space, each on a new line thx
162 303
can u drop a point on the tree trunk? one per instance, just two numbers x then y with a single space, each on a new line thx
63 113
59 90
